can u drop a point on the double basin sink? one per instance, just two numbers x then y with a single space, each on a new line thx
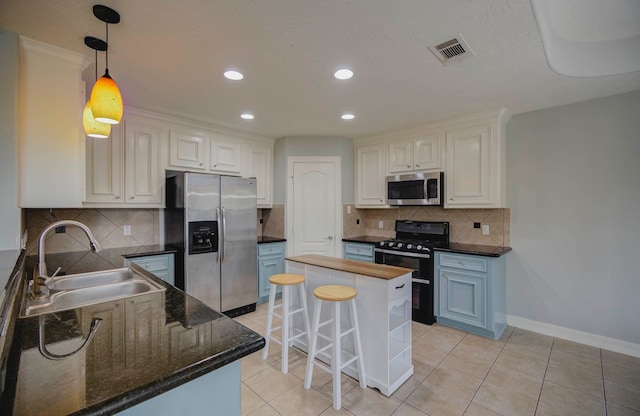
84 289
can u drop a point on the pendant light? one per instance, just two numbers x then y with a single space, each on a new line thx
106 101
92 127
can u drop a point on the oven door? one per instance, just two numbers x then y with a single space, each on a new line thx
422 280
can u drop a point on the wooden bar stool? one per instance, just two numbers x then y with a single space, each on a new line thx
286 281
335 294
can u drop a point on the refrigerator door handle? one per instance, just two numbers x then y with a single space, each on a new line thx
219 236
224 234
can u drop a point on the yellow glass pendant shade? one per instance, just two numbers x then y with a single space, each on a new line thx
106 101
92 127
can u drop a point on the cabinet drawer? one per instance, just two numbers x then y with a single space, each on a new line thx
475 263
359 249
270 249
152 263
399 288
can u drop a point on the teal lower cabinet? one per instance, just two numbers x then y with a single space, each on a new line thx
216 394
470 292
270 262
161 265
357 251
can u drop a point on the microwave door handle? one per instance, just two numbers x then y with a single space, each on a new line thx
219 235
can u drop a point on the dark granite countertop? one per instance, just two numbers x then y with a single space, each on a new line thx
145 346
477 249
366 239
263 239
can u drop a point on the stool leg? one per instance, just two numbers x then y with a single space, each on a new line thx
336 362
272 301
361 372
305 311
312 346
285 327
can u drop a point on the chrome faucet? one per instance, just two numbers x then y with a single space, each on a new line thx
39 289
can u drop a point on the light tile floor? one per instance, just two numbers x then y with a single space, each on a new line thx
456 373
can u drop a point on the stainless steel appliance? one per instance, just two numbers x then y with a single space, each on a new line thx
211 220
413 248
416 189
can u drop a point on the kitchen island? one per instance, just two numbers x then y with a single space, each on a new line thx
160 353
383 303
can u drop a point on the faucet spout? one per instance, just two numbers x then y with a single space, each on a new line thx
39 288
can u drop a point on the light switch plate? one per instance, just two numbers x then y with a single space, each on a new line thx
485 230
126 229
380 224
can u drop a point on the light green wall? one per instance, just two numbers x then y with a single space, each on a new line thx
573 186
10 216
313 146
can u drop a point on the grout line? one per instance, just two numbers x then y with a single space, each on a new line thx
544 377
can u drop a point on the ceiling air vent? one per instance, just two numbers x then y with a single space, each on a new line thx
454 49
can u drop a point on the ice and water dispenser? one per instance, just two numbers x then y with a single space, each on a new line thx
203 237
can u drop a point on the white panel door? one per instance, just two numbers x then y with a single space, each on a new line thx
314 206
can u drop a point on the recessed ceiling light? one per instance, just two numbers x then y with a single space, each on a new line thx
348 116
343 73
247 116
233 75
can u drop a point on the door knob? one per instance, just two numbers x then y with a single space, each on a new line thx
330 237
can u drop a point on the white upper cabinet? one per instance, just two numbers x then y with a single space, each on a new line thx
258 165
226 155
476 174
51 140
419 154
124 169
371 176
188 150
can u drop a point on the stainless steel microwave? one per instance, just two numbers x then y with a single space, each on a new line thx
416 189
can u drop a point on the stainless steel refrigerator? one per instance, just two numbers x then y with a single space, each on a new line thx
211 220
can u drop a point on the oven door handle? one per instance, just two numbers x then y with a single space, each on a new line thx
421 281
403 253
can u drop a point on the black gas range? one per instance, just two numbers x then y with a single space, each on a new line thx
412 248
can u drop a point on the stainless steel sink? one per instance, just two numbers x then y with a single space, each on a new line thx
79 281
73 291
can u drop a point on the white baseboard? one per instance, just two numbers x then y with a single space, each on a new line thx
568 334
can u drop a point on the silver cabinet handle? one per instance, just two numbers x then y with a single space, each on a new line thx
117 196
131 197
330 237
201 164
409 166
417 165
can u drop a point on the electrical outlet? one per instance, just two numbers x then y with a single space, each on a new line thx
476 225
126 229
348 209
485 230
380 225
358 221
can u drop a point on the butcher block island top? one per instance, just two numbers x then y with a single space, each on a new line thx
381 271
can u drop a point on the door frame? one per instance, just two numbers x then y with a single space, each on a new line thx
288 213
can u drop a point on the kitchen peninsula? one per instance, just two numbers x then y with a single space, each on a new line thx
383 303
159 353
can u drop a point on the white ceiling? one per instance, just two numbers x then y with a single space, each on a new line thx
168 56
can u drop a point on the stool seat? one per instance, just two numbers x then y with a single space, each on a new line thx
285 279
334 293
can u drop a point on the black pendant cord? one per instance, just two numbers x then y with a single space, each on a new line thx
106 64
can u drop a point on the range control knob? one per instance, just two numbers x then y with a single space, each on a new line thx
400 245
381 243
409 246
419 247
391 244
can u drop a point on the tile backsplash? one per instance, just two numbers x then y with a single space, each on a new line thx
460 222
107 226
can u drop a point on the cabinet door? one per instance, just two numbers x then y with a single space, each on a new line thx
401 156
427 152
463 297
141 164
161 265
468 179
356 251
104 168
51 144
371 174
225 156
267 267
187 151
259 167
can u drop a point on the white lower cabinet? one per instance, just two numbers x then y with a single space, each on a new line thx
384 314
